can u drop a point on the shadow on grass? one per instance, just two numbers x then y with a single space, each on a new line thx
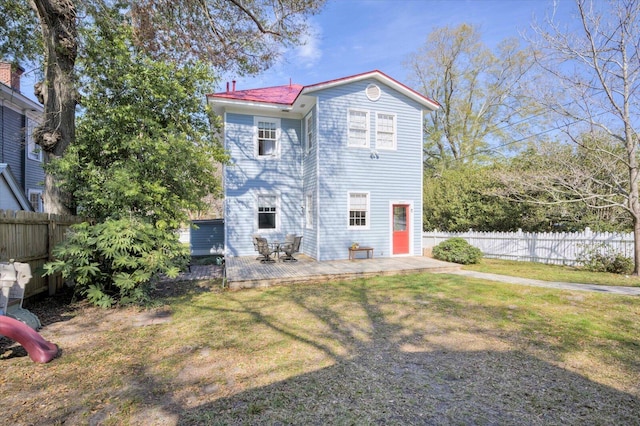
439 387
399 350
407 375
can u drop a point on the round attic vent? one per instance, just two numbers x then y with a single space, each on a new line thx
373 92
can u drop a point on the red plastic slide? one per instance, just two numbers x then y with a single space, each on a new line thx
39 350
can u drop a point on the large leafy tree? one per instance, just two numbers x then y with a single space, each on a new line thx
234 35
144 145
484 94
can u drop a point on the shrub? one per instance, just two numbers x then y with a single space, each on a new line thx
457 250
115 262
604 258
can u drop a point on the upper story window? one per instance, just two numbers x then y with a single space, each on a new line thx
385 131
267 134
267 211
358 123
35 198
310 130
359 210
33 150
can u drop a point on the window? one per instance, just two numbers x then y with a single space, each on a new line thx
385 131
308 211
33 150
267 131
373 92
358 210
358 123
35 198
267 210
309 126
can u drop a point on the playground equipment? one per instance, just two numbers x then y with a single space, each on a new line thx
18 323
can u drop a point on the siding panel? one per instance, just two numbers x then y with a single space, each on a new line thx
249 176
386 174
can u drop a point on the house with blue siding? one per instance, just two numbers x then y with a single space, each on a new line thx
338 162
21 171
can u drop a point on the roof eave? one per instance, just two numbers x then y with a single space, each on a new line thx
267 106
380 76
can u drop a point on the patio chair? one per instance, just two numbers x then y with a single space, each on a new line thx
288 241
291 249
265 250
255 245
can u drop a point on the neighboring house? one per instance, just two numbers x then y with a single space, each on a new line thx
19 115
336 162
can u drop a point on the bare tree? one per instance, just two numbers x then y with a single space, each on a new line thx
483 93
595 70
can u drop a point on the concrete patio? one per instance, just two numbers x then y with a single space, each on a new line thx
247 272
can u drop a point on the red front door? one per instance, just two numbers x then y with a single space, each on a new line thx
400 229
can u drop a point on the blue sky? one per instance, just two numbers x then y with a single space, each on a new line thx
354 36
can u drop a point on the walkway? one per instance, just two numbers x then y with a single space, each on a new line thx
629 291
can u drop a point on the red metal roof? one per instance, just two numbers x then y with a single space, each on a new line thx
285 95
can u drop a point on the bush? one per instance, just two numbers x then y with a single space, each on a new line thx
603 258
115 262
457 250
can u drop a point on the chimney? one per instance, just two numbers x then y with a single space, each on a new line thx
234 85
227 87
10 75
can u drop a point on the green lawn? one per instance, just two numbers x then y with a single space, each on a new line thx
416 349
552 272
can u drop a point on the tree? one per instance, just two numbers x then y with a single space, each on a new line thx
229 34
596 74
144 145
483 94
143 156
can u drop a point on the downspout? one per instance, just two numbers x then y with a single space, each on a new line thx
2 135
317 206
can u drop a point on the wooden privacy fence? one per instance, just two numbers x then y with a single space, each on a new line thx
560 248
30 238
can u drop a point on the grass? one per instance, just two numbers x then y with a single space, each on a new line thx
416 349
552 272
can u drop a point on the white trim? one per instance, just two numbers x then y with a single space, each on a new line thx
309 212
367 118
39 192
278 212
317 189
368 212
411 226
276 153
374 87
34 152
309 140
376 75
394 141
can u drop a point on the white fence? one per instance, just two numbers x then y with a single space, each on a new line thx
546 247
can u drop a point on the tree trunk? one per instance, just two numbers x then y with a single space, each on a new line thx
57 92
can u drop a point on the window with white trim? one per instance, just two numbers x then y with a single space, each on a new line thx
308 210
33 150
35 198
267 131
385 131
358 124
309 127
267 211
359 210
